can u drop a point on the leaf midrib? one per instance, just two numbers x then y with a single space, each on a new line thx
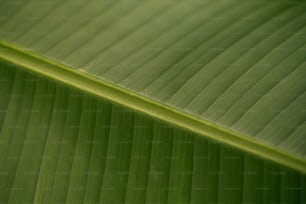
56 71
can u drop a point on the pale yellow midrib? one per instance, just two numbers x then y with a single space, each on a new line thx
75 78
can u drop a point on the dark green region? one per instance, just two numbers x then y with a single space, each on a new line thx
59 145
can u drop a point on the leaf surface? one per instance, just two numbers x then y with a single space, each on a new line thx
229 71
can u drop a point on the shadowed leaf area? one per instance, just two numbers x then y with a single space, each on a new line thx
59 145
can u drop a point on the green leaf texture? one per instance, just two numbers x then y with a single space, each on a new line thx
59 145
238 64
152 101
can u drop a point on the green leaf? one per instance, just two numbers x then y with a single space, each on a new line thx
152 102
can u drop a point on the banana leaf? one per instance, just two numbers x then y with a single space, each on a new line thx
152 101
